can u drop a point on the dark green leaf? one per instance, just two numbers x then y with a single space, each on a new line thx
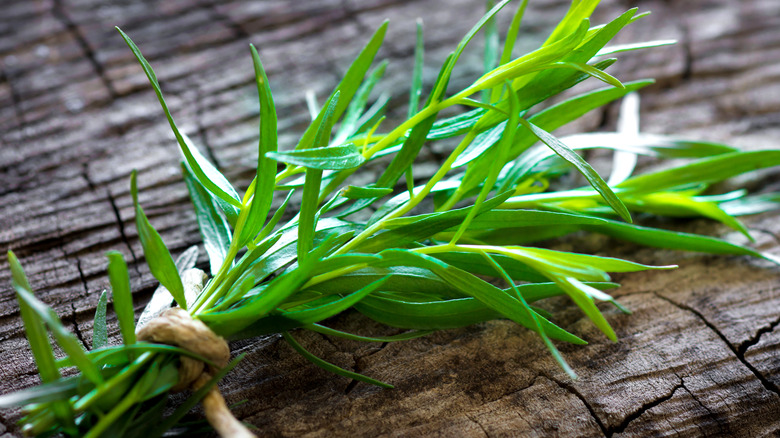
214 229
405 230
99 329
61 389
329 366
205 172
341 334
264 181
491 296
123 299
348 86
356 115
582 166
307 218
703 171
34 327
284 321
490 57
440 88
341 157
65 339
157 256
352 192
415 91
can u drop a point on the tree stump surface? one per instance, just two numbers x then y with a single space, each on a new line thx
700 355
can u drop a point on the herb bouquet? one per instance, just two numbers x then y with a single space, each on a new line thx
445 252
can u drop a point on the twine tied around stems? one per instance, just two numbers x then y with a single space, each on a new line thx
176 327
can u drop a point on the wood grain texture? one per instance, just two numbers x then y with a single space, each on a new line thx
699 356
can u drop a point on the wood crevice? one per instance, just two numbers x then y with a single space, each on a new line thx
238 30
201 129
481 427
16 102
575 392
766 383
58 11
121 227
722 428
76 328
753 340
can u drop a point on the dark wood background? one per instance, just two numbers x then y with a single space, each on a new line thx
699 356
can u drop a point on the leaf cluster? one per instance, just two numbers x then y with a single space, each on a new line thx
450 250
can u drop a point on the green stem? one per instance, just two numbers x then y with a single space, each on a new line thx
85 402
413 201
333 274
109 419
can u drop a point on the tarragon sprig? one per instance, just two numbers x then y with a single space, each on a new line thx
421 260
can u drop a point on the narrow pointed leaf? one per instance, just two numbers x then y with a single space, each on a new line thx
341 157
348 86
99 328
204 171
157 256
582 166
416 89
264 181
214 228
123 299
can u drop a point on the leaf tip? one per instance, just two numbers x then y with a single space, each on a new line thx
134 186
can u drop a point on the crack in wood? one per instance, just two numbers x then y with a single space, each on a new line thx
771 234
82 277
121 225
357 358
768 384
687 71
722 427
753 340
572 390
58 11
201 129
641 411
76 328
481 427
238 31
85 175
16 102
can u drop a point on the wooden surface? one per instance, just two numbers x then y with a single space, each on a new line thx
699 356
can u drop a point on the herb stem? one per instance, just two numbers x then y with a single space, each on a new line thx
85 402
333 274
413 201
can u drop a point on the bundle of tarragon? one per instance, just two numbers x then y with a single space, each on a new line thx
424 254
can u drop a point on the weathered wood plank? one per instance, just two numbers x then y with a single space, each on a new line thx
699 356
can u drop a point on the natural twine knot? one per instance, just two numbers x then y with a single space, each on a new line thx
176 327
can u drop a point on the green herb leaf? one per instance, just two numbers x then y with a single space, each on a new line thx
65 339
156 253
204 171
123 299
707 170
99 328
582 166
284 321
329 366
307 220
213 226
348 86
264 182
341 157
353 192
33 324
415 91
